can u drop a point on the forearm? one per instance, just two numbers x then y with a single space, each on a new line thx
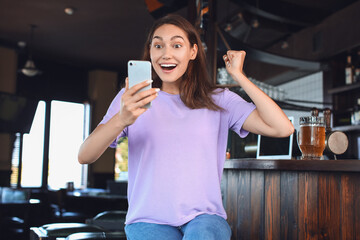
268 119
267 108
270 113
132 102
99 140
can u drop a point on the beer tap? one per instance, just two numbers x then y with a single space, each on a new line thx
327 116
314 112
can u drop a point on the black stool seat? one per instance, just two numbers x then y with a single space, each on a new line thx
61 230
109 220
97 236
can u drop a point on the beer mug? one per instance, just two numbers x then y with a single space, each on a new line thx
311 137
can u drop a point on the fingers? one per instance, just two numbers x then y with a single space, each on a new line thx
139 86
133 99
141 96
134 90
141 103
126 84
226 60
135 109
234 58
232 54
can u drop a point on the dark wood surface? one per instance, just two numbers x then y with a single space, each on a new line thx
287 204
294 165
92 202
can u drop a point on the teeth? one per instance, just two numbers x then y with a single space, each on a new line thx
168 65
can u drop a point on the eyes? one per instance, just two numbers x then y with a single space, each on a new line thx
160 46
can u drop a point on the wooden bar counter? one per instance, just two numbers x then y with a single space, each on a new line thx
292 199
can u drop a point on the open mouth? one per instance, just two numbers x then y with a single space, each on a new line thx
168 67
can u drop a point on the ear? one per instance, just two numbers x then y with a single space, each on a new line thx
194 51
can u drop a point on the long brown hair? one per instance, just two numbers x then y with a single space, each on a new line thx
196 87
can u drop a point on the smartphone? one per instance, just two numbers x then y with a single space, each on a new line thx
139 71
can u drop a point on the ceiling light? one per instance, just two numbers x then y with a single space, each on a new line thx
228 27
255 23
69 11
21 44
30 69
284 45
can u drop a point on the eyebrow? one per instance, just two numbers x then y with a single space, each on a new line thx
172 38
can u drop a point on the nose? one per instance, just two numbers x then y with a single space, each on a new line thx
166 53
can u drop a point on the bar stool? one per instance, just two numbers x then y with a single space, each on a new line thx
109 220
53 231
97 236
62 214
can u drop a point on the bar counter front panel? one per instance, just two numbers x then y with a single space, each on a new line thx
292 199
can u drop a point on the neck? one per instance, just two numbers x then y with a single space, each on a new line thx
171 88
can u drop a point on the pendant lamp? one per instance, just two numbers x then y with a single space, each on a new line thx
30 69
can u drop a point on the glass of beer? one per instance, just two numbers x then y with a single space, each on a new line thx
311 137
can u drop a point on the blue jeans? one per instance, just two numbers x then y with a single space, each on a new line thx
205 226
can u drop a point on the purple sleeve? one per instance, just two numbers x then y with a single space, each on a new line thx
113 109
238 111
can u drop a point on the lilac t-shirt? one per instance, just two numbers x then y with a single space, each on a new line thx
176 157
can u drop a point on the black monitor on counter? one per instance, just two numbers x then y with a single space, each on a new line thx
16 113
275 148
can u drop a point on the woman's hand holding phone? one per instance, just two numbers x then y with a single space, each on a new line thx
133 101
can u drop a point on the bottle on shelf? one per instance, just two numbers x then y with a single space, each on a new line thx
355 115
228 156
357 75
349 71
357 68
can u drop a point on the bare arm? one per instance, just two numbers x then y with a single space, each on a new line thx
103 135
99 140
267 119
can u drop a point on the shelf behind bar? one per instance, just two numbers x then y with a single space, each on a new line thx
348 128
352 165
344 88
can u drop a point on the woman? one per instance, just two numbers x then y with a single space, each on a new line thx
177 147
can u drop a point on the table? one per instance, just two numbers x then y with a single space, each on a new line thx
21 209
94 201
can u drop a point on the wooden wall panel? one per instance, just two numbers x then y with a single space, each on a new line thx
289 202
224 189
329 206
243 208
347 208
292 204
231 201
308 205
272 205
257 202
357 205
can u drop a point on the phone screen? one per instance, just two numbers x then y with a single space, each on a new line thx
139 71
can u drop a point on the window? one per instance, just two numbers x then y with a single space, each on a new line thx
33 150
15 161
69 126
121 160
